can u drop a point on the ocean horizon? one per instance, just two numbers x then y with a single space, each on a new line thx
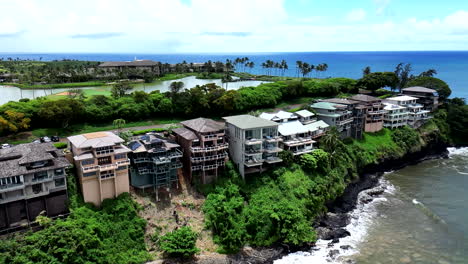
450 65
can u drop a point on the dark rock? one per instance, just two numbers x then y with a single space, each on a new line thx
375 191
365 199
330 234
333 253
345 247
335 220
335 240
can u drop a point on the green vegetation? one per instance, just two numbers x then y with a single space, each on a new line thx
58 85
144 131
440 86
179 243
60 145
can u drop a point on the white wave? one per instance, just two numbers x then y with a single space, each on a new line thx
415 201
361 219
458 151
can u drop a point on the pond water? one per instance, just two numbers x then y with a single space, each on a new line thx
9 93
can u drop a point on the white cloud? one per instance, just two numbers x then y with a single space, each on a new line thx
381 5
355 15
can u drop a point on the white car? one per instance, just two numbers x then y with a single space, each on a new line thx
6 145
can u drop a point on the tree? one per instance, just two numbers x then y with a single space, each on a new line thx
376 80
61 112
366 71
180 243
402 71
118 123
428 73
120 89
330 140
440 86
176 87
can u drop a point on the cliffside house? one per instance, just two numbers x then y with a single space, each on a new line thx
102 165
137 66
253 143
427 97
204 148
32 180
338 115
395 115
155 162
416 113
374 111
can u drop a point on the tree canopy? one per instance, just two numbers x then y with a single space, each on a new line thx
437 84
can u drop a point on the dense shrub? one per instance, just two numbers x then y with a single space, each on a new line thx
180 243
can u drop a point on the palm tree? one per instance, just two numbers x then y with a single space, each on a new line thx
299 67
366 71
330 140
119 124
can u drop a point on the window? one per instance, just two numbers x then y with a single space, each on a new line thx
59 182
104 160
120 156
37 188
122 168
87 162
59 171
89 174
40 176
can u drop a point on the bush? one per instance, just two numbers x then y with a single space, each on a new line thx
180 243
144 131
60 145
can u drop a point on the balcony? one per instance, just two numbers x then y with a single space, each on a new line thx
298 141
161 160
272 150
101 153
208 149
380 112
90 168
252 151
123 162
175 154
197 168
344 122
107 167
253 141
253 162
302 151
11 187
107 176
212 137
11 199
208 158
42 179
272 160
142 160
273 139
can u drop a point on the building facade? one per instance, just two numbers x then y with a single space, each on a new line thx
137 66
204 147
102 165
338 115
425 96
374 111
417 115
395 116
253 143
155 162
32 180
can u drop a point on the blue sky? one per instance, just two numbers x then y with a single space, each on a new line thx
178 26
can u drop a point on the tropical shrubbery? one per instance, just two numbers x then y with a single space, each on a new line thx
180 243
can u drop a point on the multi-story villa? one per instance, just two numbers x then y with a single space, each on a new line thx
102 165
32 180
358 112
296 137
253 143
155 162
336 114
374 111
305 116
427 97
395 116
205 148
416 114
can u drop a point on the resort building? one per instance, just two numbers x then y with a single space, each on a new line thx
305 116
155 162
336 114
253 143
102 165
427 97
204 148
137 66
416 113
32 181
395 116
374 112
358 113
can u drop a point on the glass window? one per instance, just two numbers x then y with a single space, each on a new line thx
87 162
59 182
120 156
89 174
37 188
122 168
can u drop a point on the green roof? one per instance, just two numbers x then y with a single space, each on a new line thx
248 121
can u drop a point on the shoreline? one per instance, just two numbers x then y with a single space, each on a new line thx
332 225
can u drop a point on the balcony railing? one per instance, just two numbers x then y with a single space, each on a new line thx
42 179
271 160
212 136
104 152
107 167
273 139
123 162
107 175
253 162
380 112
272 150
253 141
141 160
11 187
302 151
344 122
298 141
211 148
207 158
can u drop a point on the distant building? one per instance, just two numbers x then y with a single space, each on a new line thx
416 113
102 165
338 115
205 148
427 97
253 143
395 116
155 162
32 180
139 66
373 110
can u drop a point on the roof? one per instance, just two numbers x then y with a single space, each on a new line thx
144 143
364 98
316 125
389 106
185 133
292 128
248 121
203 125
95 140
419 89
324 105
343 101
281 115
14 159
136 63
402 98
304 113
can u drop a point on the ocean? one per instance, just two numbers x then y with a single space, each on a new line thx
422 218
450 65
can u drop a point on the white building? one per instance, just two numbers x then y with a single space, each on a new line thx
416 113
395 116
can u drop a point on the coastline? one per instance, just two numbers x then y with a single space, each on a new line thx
331 227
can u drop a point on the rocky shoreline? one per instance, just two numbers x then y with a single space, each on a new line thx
331 226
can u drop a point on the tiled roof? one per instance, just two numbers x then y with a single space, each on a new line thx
203 125
419 89
185 133
364 98
95 140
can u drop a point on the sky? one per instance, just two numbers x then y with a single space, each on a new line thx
222 26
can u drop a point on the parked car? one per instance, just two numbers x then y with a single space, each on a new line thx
36 141
45 139
6 145
55 138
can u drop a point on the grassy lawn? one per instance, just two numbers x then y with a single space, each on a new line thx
57 85
87 93
175 76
